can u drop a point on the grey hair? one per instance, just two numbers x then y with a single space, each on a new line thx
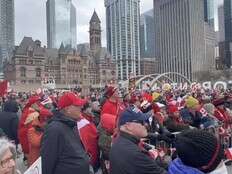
5 144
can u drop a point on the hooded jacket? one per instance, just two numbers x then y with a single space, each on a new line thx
9 120
61 150
177 167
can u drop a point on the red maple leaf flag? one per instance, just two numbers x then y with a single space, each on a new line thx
3 87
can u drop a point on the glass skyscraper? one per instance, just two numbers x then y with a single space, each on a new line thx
147 34
209 11
228 33
61 23
122 28
7 30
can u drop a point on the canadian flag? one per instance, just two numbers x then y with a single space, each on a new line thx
48 100
3 87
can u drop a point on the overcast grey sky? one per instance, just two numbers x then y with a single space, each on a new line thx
30 18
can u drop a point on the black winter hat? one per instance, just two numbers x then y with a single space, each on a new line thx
199 149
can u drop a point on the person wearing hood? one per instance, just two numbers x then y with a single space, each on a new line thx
61 147
199 152
35 134
29 112
9 120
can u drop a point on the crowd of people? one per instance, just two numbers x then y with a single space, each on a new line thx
111 131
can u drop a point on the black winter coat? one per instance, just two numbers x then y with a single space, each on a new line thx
9 124
61 150
127 158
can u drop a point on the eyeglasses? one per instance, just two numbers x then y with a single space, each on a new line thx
5 163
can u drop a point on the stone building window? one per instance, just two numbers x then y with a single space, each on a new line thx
38 72
30 53
23 72
30 62
22 62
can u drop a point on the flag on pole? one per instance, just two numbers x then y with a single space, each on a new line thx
3 88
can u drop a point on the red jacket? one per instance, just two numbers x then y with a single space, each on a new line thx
34 140
89 137
110 107
23 129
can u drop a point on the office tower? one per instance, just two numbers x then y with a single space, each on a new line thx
209 11
122 30
179 41
228 32
61 23
7 30
147 35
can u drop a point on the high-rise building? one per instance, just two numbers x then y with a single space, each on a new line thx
7 30
221 23
228 32
210 47
209 11
179 41
147 34
61 23
122 28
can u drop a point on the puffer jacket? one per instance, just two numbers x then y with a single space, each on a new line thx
177 167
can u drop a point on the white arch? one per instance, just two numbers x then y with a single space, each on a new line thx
151 75
156 78
167 73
